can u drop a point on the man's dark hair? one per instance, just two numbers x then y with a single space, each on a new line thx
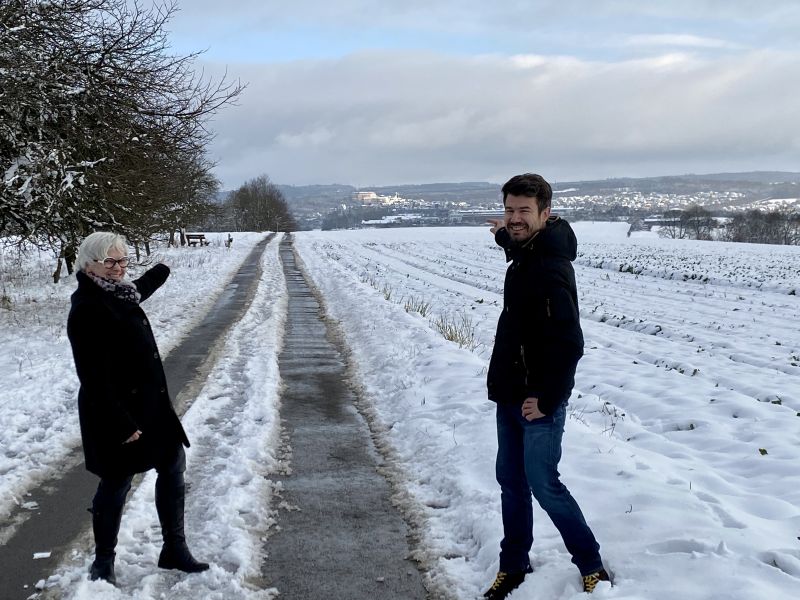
531 185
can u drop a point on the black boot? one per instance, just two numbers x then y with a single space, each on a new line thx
105 524
175 553
103 568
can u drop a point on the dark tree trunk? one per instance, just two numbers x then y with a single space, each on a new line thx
69 258
57 272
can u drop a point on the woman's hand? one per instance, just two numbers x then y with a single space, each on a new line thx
134 437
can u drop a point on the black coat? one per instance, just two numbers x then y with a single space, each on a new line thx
539 339
123 387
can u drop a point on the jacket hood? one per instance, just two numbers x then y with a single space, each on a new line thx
556 239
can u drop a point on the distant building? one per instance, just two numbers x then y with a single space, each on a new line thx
477 216
365 197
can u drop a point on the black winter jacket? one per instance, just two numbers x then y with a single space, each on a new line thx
539 339
123 386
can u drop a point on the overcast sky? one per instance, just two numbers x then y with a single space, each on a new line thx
378 92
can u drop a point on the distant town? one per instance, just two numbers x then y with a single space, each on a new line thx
642 202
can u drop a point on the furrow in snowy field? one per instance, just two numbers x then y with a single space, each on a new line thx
235 431
760 266
669 466
694 354
621 294
38 398
685 347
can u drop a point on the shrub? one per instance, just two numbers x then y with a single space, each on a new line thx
457 328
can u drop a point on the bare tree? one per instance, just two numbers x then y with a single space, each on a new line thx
100 126
698 222
259 205
759 227
674 226
695 222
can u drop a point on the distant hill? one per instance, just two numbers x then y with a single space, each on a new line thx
754 184
309 203
756 176
316 197
472 192
761 184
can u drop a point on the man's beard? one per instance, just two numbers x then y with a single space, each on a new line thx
520 241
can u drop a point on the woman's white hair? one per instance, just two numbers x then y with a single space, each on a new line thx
96 246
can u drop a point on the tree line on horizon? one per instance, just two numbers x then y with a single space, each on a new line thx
752 226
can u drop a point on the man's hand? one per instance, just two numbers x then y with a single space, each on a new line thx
496 224
134 437
530 409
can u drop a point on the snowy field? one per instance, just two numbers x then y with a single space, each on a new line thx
681 446
682 438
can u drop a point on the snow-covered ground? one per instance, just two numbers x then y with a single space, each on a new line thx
682 444
38 395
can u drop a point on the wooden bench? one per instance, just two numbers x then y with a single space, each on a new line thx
193 239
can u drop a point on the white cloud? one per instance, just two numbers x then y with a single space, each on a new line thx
575 88
686 40
384 117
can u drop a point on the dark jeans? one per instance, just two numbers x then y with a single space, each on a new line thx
112 492
527 461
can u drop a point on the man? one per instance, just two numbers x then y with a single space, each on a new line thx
531 374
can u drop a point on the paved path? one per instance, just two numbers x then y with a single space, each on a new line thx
342 538
61 517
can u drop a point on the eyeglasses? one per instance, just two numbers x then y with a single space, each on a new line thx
109 262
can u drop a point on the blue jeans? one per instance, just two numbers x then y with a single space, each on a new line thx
527 461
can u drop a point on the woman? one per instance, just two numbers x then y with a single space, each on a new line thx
127 421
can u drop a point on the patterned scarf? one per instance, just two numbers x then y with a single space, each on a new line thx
124 290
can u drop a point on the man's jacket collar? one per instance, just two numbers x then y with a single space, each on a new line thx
556 239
